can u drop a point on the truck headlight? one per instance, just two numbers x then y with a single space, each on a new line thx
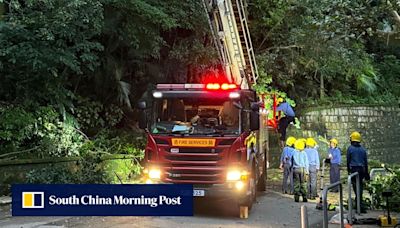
239 185
154 174
235 175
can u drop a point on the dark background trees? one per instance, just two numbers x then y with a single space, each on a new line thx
71 71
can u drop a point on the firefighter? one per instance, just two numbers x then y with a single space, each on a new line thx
334 157
357 161
313 167
285 120
286 165
300 170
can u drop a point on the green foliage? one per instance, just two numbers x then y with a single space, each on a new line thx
61 139
389 71
121 142
72 71
124 170
88 170
321 49
381 183
94 115
42 133
50 175
39 131
45 43
16 125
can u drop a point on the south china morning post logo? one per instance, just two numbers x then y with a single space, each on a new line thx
102 200
118 200
33 200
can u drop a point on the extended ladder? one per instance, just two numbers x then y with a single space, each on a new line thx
228 23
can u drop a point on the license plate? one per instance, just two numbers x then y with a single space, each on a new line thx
183 142
198 192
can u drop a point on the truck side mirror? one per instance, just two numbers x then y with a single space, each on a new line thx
142 105
254 121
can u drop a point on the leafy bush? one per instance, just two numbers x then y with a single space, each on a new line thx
42 132
381 183
93 115
16 127
90 169
62 139
38 130
115 142
52 174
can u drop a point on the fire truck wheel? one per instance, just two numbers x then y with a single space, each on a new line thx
248 202
253 187
262 182
252 198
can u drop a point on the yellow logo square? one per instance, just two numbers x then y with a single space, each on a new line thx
32 199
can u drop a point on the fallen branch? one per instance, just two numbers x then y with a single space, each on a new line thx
396 16
284 47
83 134
18 152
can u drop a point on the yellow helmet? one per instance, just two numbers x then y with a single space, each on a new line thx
311 142
290 141
280 100
299 145
334 141
355 137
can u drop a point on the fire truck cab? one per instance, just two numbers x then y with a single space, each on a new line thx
208 135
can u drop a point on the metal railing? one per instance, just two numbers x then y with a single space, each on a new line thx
350 201
373 172
325 203
303 216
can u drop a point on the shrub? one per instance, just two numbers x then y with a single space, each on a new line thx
115 142
16 127
91 169
381 183
92 115
61 139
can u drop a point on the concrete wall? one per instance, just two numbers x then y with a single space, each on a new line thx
379 126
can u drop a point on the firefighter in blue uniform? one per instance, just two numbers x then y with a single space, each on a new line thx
300 170
313 167
285 120
286 165
334 157
357 161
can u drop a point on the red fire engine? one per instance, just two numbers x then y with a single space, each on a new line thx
210 135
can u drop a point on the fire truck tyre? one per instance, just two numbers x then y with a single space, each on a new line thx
250 199
262 182
253 189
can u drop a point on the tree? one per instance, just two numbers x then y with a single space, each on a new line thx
315 48
43 44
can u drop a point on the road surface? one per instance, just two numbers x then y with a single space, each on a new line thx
271 210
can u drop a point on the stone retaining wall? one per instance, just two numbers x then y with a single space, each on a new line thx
379 126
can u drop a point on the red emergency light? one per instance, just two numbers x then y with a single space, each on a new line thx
223 86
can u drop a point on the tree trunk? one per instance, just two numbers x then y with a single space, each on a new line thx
2 11
322 87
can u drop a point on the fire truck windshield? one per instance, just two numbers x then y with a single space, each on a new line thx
195 116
